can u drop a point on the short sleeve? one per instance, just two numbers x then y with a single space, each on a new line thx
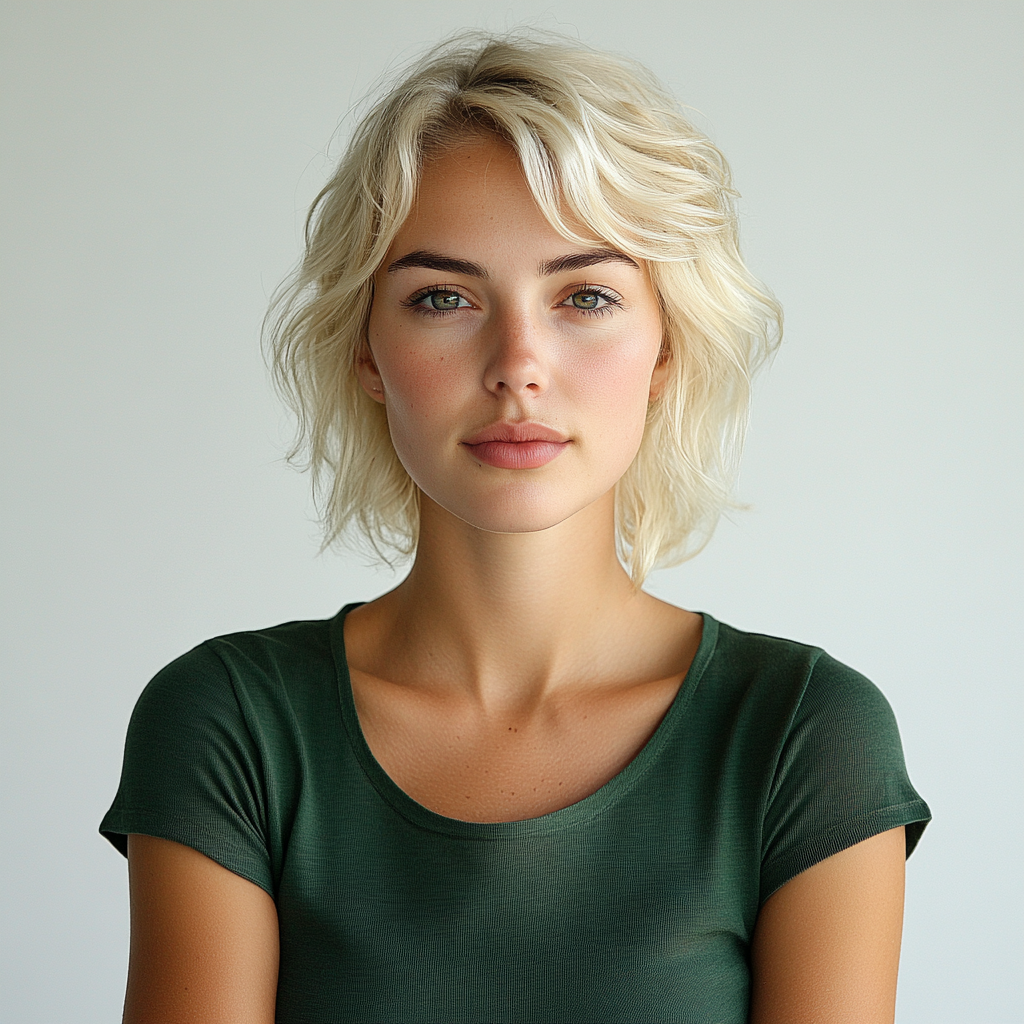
192 770
840 779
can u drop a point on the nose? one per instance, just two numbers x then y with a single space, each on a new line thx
516 362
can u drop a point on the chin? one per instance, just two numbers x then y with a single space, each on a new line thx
518 511
515 522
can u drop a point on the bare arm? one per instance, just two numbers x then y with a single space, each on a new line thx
826 946
204 941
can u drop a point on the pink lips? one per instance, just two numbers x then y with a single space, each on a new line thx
516 445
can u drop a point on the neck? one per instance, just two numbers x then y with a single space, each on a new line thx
507 617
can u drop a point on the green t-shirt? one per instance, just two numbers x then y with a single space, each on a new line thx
635 904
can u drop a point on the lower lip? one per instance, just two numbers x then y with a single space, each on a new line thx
517 454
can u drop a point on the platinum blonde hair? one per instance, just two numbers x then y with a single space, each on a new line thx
603 145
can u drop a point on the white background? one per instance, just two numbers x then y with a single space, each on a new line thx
158 158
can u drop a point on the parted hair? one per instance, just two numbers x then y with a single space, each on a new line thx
603 145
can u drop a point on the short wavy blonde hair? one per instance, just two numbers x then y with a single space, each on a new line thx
602 144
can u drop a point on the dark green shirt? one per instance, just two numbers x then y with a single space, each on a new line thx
635 904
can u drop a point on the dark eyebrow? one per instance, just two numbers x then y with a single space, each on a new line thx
579 260
435 261
560 265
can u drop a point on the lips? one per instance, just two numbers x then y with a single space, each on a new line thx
516 445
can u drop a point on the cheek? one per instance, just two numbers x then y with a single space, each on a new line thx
422 386
614 389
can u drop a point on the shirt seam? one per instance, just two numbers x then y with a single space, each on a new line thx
819 837
770 791
260 746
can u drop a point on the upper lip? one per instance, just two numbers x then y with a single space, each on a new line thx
516 433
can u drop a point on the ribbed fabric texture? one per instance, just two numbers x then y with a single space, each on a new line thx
636 904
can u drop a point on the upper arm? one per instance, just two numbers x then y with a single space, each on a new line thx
826 946
204 941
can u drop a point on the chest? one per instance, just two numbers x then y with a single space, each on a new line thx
464 764
635 905
545 928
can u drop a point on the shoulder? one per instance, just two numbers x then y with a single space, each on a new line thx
794 702
297 641
761 652
248 654
248 677
227 709
826 745
801 675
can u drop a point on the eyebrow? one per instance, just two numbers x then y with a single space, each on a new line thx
590 258
560 265
436 261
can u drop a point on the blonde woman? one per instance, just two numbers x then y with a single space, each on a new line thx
517 787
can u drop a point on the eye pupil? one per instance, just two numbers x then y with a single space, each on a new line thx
585 300
444 300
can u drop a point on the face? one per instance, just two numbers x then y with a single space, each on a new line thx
516 367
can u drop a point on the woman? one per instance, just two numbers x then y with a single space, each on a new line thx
516 787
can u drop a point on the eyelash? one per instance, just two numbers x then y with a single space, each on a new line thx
612 300
413 302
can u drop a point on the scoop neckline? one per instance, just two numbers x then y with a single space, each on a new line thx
575 814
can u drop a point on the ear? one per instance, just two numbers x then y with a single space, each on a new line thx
369 375
659 376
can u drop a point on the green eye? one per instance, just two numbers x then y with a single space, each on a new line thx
586 300
444 300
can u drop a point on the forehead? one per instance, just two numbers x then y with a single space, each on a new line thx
474 193
474 181
476 162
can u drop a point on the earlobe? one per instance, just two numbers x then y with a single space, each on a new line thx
660 374
369 375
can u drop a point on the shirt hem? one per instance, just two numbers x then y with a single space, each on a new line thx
117 827
778 871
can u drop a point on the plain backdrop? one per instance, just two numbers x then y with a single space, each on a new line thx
158 159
